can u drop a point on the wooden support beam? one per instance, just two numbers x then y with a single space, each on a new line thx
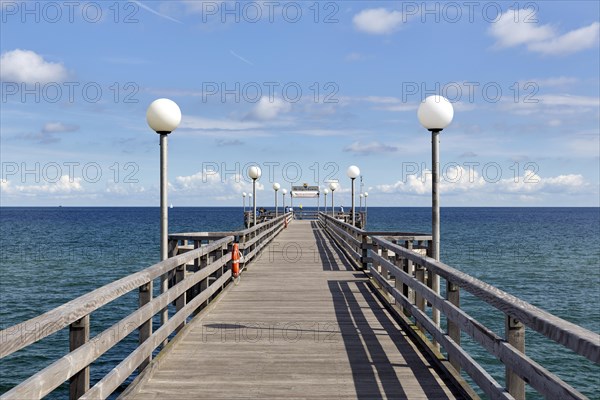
181 300
514 332
145 331
79 334
453 296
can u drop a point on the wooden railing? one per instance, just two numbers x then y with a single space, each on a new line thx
250 241
212 262
401 267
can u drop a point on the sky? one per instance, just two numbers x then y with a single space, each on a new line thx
304 90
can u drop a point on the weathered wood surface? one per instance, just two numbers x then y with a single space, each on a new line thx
574 337
302 323
30 331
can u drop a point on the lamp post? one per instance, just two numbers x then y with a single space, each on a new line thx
254 173
353 172
435 113
325 192
276 187
283 193
163 116
332 187
361 203
244 201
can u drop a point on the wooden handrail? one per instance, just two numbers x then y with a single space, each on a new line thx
409 269
215 259
574 337
21 335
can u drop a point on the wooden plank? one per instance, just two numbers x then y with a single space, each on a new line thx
515 336
317 332
145 329
483 379
582 341
117 375
56 373
21 335
79 334
537 376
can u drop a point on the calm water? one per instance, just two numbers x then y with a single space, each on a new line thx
547 256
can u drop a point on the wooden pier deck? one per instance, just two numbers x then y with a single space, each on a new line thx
316 315
302 323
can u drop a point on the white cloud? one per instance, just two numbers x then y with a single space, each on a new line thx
124 189
568 100
27 66
213 184
58 127
554 105
559 81
385 103
354 56
323 132
200 123
571 42
512 29
457 179
378 21
370 148
64 185
269 109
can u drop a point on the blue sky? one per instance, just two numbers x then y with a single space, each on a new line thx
304 89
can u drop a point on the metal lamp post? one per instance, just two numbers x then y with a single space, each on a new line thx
361 201
332 187
163 116
435 113
244 201
325 192
283 193
254 173
276 187
353 172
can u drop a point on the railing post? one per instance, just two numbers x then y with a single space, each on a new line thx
409 269
398 262
204 261
181 301
453 296
384 271
79 334
515 336
365 246
145 330
221 271
419 300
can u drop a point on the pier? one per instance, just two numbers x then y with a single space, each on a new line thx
320 309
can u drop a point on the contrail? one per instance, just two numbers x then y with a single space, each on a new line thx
240 57
145 7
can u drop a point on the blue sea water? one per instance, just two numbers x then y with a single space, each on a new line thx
549 257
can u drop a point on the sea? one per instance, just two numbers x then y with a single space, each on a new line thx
549 257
